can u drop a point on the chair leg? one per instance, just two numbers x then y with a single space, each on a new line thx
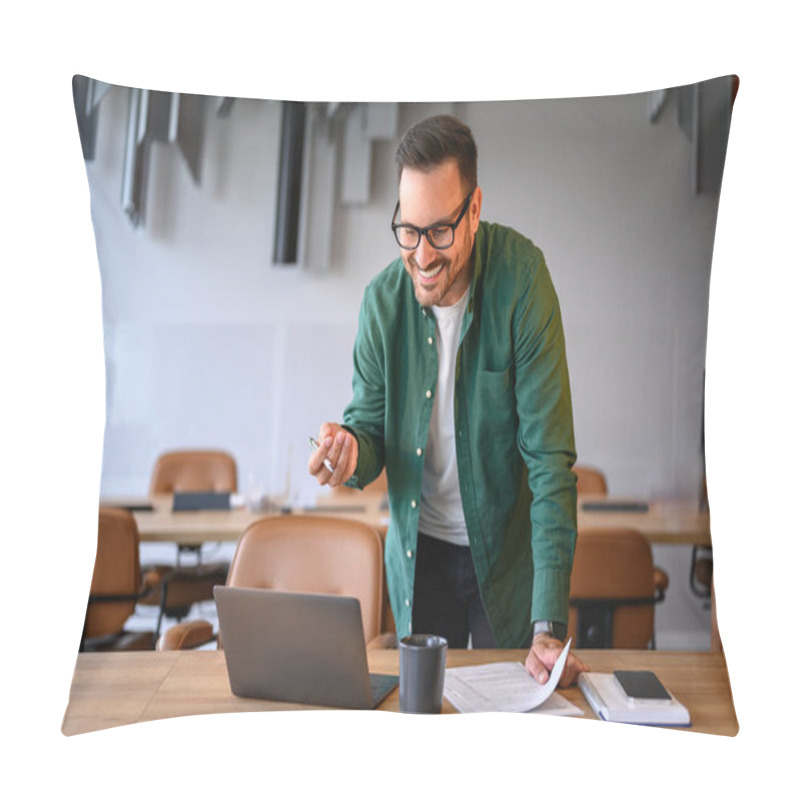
595 626
595 619
195 549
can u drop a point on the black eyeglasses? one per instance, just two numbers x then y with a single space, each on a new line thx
440 236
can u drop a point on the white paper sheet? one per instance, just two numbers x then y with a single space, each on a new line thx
506 686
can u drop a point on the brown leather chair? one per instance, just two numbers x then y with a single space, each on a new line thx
701 572
189 471
590 480
593 481
309 553
117 586
613 590
193 471
378 487
716 640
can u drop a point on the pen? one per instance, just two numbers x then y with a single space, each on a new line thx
315 446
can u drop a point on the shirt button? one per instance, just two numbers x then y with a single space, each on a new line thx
428 393
430 340
408 602
419 451
409 553
413 504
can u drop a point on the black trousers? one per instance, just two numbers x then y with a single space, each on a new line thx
447 601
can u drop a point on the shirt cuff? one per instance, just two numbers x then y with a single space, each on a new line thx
550 596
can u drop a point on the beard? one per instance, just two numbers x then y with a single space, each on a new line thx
432 294
429 294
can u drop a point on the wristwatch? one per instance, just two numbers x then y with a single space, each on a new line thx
544 626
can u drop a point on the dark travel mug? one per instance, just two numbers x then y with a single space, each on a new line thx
422 661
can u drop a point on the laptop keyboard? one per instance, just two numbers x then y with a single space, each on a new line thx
381 685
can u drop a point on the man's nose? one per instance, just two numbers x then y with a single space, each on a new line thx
425 254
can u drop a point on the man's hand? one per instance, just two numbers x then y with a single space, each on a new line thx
341 450
543 655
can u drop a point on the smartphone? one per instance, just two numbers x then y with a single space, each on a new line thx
641 685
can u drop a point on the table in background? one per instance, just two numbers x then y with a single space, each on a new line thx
664 522
160 523
111 689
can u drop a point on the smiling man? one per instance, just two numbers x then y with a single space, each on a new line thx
460 388
438 256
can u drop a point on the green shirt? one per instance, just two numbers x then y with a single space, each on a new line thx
513 422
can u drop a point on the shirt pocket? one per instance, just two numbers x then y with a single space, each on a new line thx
496 406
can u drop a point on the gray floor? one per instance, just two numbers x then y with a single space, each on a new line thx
683 621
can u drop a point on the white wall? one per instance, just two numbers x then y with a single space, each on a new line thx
208 344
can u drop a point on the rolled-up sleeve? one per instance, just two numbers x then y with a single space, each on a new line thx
364 415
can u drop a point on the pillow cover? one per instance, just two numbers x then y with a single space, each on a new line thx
235 238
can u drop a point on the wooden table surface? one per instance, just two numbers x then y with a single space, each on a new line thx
162 524
665 522
111 689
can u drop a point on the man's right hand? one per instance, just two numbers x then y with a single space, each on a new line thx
340 448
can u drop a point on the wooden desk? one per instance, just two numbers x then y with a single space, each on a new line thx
662 523
162 524
111 689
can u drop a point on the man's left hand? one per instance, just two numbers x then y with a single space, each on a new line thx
543 655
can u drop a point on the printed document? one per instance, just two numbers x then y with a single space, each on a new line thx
506 686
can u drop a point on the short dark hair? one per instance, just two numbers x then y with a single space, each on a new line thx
433 141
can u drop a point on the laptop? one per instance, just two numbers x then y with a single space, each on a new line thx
297 648
201 501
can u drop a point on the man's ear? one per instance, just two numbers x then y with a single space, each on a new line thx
474 212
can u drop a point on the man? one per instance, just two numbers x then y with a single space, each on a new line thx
460 389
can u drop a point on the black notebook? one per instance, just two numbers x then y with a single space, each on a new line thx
614 505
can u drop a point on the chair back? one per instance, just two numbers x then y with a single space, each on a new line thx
612 590
193 471
590 480
716 640
116 573
314 554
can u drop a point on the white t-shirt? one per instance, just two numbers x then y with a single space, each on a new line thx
441 514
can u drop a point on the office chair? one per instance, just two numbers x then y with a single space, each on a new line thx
716 640
593 481
310 553
590 480
701 572
193 471
377 488
117 585
189 471
613 590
